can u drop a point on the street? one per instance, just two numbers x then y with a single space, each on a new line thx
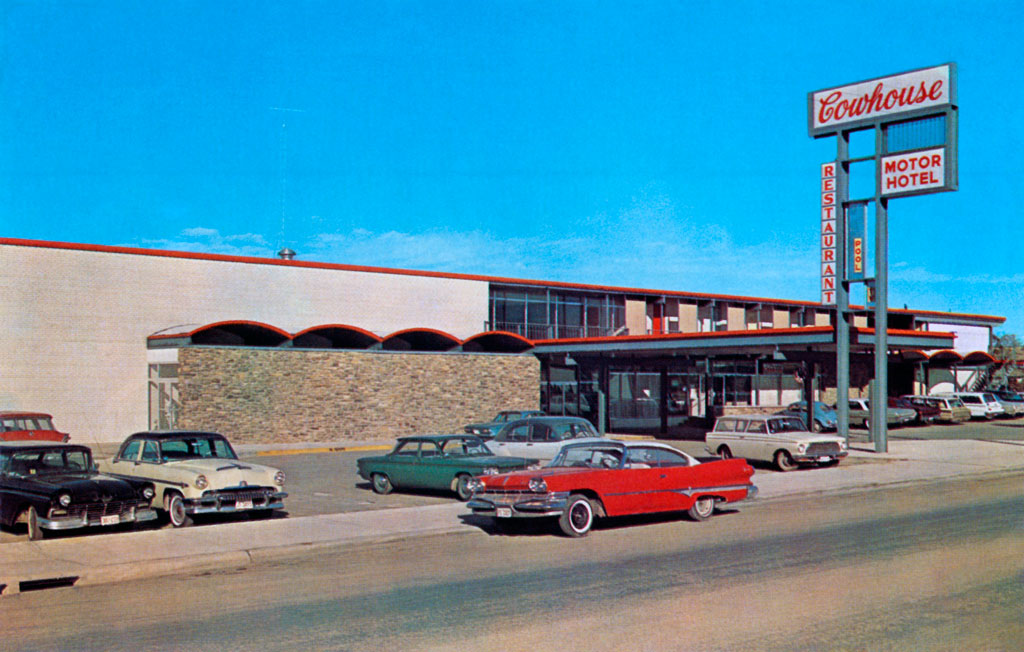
930 567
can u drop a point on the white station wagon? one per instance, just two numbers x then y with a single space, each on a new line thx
197 473
776 438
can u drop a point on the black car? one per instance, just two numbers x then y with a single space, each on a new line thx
55 486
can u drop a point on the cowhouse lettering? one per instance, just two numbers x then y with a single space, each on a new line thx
834 108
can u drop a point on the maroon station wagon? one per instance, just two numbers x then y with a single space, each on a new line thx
29 426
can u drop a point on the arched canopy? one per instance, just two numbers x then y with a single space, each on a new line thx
913 356
239 333
335 336
497 342
420 339
977 358
945 358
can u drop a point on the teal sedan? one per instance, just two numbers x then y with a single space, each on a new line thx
440 462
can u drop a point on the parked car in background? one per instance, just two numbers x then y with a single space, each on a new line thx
542 437
598 479
30 426
197 473
489 429
1012 403
55 486
925 412
860 414
780 439
824 415
440 462
951 409
982 405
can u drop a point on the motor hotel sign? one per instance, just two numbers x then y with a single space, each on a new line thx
869 102
913 171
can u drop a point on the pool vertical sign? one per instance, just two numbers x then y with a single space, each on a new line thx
828 233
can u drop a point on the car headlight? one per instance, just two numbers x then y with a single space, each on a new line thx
491 470
842 445
801 448
475 485
538 485
64 500
148 493
279 478
201 482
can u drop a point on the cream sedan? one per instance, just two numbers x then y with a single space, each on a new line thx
197 473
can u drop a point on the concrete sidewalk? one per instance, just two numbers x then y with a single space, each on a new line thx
132 555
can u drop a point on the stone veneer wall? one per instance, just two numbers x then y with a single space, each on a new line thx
257 396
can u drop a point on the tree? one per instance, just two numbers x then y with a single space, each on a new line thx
1007 349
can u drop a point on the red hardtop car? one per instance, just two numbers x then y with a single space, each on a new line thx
29 426
600 479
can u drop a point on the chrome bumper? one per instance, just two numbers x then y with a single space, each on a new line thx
521 506
73 522
226 503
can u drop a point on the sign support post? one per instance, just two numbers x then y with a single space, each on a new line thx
842 288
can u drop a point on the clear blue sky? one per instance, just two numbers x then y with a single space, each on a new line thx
648 144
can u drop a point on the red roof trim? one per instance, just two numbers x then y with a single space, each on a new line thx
514 336
345 327
164 253
434 331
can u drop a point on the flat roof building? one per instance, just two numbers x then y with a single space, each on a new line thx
112 340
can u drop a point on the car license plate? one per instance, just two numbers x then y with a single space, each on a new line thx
243 504
113 519
825 458
504 512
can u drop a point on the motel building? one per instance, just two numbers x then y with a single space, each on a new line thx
114 340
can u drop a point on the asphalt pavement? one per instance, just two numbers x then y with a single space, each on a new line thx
101 558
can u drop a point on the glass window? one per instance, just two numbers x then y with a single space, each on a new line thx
130 451
757 426
518 433
407 448
150 452
541 432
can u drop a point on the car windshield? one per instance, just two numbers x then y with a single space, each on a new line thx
196 447
785 425
465 447
49 462
591 457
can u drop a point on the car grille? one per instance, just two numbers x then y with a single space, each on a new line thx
823 448
94 511
504 494
256 496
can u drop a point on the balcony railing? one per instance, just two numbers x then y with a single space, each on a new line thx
551 331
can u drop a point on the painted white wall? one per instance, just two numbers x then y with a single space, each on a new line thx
75 322
968 338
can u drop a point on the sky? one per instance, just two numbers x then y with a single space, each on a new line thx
651 144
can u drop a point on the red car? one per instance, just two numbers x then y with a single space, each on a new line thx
29 426
598 479
925 413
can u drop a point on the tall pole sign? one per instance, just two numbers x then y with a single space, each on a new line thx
914 117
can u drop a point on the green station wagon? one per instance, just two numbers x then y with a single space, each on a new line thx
441 462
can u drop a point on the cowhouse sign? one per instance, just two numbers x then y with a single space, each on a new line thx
869 101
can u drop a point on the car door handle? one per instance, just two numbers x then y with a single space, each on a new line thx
663 475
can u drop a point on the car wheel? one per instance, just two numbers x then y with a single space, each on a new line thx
724 452
381 483
35 532
578 516
702 509
784 461
462 487
816 425
866 423
175 506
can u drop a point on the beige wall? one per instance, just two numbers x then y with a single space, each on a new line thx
780 318
736 318
688 318
636 317
76 322
291 395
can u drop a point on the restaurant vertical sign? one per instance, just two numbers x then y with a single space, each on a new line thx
828 233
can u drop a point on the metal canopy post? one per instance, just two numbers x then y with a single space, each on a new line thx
842 288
